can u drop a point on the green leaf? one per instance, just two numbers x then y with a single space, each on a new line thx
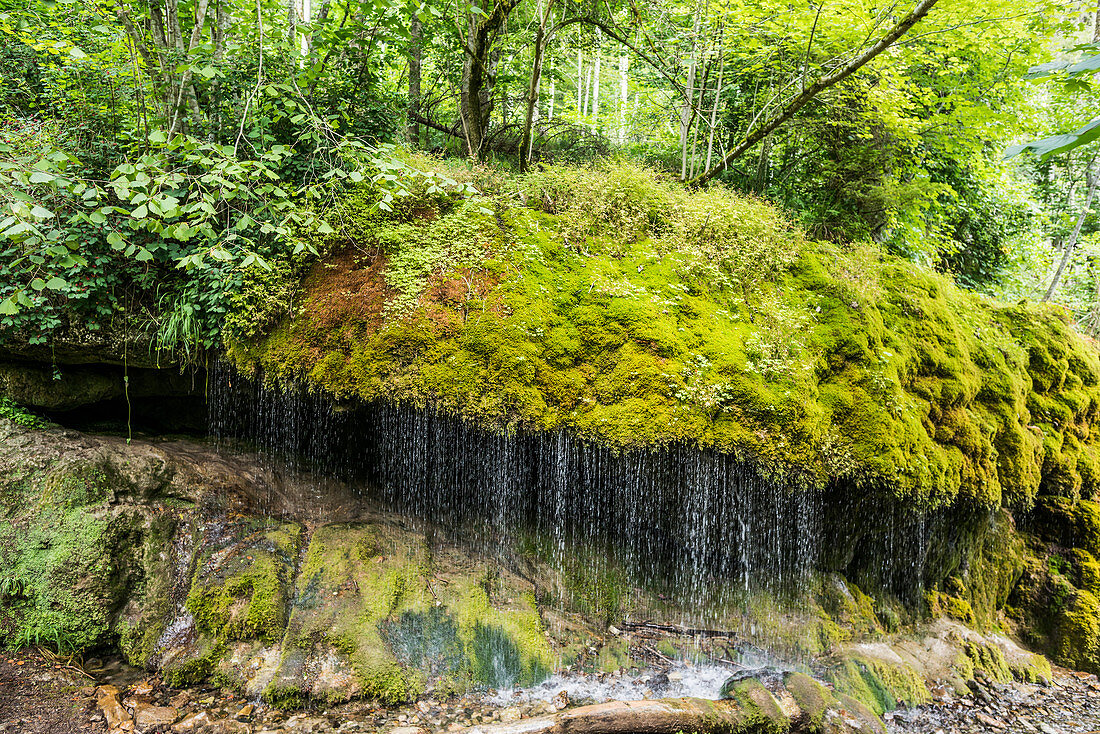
140 213
40 212
9 307
1055 144
55 283
38 284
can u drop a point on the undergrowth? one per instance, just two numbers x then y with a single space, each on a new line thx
14 412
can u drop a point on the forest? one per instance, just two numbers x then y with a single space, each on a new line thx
157 158
404 349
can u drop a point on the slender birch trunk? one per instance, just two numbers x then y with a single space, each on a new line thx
596 82
412 134
689 93
580 81
624 66
1092 178
714 108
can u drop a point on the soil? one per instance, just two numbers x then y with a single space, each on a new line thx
42 696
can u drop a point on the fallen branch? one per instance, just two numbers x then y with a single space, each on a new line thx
676 629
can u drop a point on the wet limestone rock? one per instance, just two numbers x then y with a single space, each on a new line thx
118 718
376 613
163 545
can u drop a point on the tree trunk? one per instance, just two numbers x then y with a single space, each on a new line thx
553 95
477 74
527 141
686 107
596 82
588 93
1092 178
1095 299
222 22
714 108
185 89
580 80
307 16
624 66
415 53
696 116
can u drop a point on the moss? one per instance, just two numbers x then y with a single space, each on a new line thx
870 722
138 637
846 603
941 604
1032 669
709 318
196 668
879 685
812 698
66 565
1077 638
373 593
1086 570
352 579
760 711
241 592
988 658
614 656
287 698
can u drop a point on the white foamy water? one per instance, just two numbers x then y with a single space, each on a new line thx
698 681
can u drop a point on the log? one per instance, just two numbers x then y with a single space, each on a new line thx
660 716
806 707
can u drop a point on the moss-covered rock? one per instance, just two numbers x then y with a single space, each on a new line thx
1077 636
405 619
242 578
760 711
877 683
96 545
709 319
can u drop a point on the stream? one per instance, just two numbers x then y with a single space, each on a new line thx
45 695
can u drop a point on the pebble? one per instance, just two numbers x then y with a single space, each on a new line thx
1057 706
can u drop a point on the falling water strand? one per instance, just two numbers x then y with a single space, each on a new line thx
705 527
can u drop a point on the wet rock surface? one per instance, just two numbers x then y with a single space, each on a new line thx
43 695
39 697
1068 703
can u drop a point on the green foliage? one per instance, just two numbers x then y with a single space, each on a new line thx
13 412
1073 73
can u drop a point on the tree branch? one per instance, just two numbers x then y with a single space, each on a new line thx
757 134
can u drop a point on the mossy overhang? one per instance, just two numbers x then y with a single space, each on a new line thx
816 360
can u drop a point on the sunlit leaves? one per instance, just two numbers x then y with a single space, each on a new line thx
1056 144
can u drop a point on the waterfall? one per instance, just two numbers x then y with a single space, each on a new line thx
695 525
